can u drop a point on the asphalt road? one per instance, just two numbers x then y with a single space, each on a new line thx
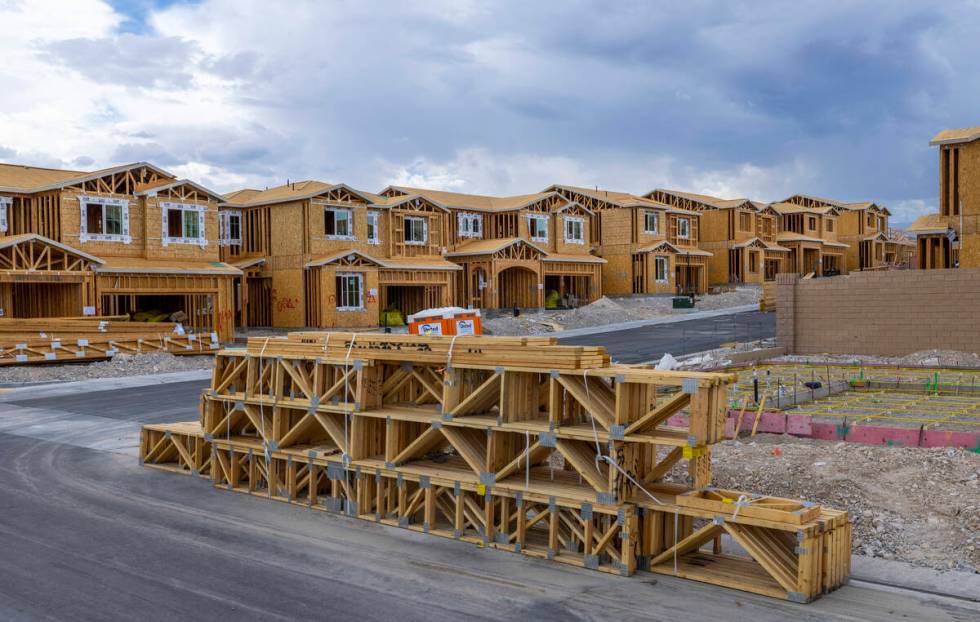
638 345
87 534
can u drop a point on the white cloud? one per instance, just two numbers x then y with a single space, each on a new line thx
481 171
728 98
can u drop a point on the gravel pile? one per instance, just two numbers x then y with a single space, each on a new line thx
909 504
612 311
119 365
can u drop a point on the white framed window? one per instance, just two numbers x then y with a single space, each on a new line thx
338 223
684 228
651 222
470 224
661 266
537 227
374 228
103 219
183 223
230 225
416 230
574 230
5 203
350 291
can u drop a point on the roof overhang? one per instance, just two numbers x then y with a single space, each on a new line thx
249 263
967 136
216 268
490 249
556 258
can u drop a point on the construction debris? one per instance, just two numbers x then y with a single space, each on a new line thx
515 443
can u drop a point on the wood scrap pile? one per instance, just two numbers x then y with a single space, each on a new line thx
515 443
46 340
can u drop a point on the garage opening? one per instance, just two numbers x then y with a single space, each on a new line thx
687 278
831 265
811 261
772 269
517 287
409 299
195 310
567 290
30 300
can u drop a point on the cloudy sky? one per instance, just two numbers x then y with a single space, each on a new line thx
758 99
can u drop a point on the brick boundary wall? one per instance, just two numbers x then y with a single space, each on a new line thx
889 313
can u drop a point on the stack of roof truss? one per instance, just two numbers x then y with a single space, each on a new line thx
515 443
28 341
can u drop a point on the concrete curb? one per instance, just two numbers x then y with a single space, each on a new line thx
667 319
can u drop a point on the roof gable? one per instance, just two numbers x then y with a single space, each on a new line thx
34 252
347 258
673 197
489 247
122 179
180 189
300 191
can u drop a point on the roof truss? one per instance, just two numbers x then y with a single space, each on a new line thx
37 253
121 180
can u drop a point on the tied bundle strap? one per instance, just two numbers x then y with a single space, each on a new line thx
595 433
449 356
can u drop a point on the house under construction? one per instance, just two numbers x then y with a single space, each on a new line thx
116 241
951 238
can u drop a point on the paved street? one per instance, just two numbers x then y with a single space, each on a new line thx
87 534
637 345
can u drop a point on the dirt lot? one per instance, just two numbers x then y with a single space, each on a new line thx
119 365
612 311
910 504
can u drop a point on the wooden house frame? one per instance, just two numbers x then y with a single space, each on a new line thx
483 231
739 233
637 260
899 250
863 226
103 245
951 238
328 255
810 234
935 237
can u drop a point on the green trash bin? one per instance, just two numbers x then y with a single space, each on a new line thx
683 302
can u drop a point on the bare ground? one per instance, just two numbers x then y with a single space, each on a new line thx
909 504
119 365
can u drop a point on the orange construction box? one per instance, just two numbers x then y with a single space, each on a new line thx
445 321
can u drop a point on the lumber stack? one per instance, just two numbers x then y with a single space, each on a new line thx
45 340
515 443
